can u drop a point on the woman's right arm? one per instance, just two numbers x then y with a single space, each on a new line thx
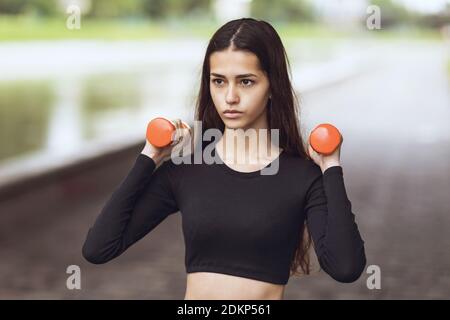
141 202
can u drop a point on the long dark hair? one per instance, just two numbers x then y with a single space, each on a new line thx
260 38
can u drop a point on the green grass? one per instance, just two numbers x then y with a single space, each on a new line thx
19 28
28 28
309 30
410 33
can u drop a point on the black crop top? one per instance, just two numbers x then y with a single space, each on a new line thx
237 223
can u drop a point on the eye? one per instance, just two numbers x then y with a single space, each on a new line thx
245 82
214 81
250 82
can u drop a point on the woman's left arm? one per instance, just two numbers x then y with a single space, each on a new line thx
331 222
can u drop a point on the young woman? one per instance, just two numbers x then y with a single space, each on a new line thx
245 232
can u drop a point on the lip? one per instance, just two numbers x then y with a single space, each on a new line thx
232 114
232 111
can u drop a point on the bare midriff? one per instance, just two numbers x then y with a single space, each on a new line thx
217 286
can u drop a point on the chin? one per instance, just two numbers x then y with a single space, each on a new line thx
234 124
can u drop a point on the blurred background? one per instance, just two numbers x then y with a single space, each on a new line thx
79 81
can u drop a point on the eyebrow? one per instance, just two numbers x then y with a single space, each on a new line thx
238 76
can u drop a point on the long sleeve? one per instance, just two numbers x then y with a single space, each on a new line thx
331 223
142 201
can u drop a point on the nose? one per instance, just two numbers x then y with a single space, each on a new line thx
232 96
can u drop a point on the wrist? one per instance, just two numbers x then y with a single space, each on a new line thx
156 157
329 164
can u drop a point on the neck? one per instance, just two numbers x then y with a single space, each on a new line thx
244 146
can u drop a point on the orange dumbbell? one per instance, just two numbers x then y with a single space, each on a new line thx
325 138
161 131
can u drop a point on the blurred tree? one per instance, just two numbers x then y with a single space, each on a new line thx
435 21
175 8
12 6
42 7
117 8
37 7
391 13
112 9
283 10
154 8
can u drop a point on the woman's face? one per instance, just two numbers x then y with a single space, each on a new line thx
238 83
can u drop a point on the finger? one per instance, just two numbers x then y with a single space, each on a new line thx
176 136
188 132
313 153
310 151
188 129
176 122
180 129
185 132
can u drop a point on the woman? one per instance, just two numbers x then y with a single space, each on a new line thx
245 232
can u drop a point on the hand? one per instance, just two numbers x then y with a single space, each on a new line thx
325 162
182 136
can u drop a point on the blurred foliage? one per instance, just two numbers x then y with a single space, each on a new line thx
25 107
30 28
110 91
107 93
176 8
283 10
30 7
145 19
23 28
108 9
286 11
12 6
26 28
393 14
157 9
433 20
280 10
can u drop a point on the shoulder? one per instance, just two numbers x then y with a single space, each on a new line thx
306 167
174 164
174 168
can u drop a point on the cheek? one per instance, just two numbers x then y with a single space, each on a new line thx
215 94
254 101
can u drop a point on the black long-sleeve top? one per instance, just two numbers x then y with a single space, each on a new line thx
239 223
